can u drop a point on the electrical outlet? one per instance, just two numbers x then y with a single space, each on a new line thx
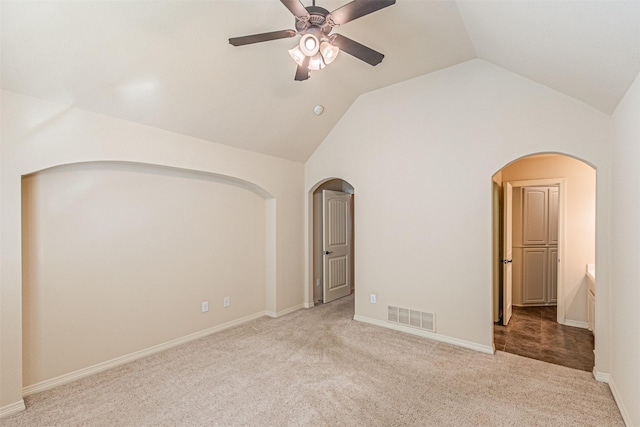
205 306
227 302
372 298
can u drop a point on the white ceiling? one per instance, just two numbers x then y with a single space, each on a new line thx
169 65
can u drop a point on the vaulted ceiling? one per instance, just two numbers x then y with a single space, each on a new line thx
168 64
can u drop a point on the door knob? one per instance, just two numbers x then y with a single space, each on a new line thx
507 261
326 252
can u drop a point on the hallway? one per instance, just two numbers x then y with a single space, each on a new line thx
533 332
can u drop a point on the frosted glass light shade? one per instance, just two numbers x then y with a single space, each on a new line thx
329 52
297 55
309 44
316 62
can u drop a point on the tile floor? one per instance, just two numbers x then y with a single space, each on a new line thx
533 332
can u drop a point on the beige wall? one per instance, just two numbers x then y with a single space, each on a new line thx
421 155
410 150
580 222
625 268
118 258
38 135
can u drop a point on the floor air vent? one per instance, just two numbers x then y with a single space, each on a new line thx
414 318
393 314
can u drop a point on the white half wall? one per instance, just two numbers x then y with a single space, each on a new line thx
625 255
421 155
38 135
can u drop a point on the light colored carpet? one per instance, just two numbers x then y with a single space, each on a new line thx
319 367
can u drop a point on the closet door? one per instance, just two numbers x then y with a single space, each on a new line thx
552 293
554 194
534 275
535 216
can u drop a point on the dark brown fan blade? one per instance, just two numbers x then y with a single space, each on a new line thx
263 37
357 9
296 7
356 49
302 73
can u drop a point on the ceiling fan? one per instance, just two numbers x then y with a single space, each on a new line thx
317 47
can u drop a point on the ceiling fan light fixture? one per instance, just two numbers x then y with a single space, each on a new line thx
297 55
329 52
316 62
309 44
317 48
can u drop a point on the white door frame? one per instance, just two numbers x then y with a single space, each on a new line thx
495 249
560 182
312 240
507 253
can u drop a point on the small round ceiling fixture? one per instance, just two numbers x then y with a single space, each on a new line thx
318 109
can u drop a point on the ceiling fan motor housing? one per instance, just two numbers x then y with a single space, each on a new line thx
317 21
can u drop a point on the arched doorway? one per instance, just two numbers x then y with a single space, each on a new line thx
319 286
553 195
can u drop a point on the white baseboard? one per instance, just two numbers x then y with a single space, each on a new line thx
621 407
285 311
437 337
100 367
576 323
12 408
602 377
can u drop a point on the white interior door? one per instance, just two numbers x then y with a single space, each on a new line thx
336 261
507 253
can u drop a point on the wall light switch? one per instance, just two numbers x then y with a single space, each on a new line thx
372 298
205 306
227 302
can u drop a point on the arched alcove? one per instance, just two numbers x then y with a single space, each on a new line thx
119 257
